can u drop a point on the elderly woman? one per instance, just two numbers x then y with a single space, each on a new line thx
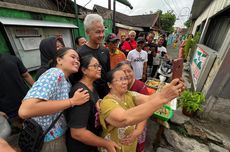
50 95
82 120
122 110
140 87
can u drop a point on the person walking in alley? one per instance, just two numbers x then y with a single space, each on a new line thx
94 28
13 75
138 59
116 56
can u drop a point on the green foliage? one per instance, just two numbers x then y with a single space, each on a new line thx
191 100
167 21
188 23
191 43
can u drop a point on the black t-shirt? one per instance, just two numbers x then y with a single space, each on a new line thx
102 54
82 116
12 86
150 54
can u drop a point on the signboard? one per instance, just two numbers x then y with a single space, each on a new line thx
198 63
201 65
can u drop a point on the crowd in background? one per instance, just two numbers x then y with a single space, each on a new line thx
97 89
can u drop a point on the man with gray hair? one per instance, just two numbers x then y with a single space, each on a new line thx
94 28
87 138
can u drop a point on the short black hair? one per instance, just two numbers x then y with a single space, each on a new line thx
77 39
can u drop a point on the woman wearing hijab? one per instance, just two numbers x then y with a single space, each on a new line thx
48 48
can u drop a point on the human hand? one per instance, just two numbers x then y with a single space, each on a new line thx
173 89
80 97
98 104
111 146
4 146
129 139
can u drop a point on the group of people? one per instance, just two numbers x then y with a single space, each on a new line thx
105 105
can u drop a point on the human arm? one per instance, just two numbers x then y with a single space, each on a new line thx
135 134
28 78
119 117
32 107
144 76
78 119
5 147
89 138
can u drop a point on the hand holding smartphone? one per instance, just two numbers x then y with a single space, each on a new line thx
177 68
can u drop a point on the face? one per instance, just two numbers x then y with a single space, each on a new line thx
113 45
123 37
128 73
96 33
150 38
94 69
59 45
69 63
82 41
140 45
119 83
132 36
160 41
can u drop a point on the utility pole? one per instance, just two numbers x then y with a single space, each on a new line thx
124 2
109 4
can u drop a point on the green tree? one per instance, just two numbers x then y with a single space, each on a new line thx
188 23
167 21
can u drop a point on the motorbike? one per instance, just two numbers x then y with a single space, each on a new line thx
165 70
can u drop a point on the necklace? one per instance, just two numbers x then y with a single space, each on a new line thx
120 100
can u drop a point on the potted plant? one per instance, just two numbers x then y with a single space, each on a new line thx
191 101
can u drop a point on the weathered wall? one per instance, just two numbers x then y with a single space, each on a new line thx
215 7
10 13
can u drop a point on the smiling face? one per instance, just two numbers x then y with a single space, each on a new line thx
96 33
69 62
128 73
119 83
93 71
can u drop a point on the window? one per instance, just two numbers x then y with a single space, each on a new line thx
217 30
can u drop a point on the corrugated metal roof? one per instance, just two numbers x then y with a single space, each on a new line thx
149 20
36 23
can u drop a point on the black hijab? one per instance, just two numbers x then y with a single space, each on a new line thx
48 49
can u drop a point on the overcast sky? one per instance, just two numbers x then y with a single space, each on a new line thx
181 8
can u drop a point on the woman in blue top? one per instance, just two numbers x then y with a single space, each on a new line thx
50 95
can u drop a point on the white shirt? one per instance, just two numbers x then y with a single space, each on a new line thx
137 60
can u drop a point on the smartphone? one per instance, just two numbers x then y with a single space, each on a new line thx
177 68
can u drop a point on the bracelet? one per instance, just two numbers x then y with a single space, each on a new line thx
71 104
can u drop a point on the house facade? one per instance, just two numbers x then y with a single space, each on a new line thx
210 63
25 23
125 23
